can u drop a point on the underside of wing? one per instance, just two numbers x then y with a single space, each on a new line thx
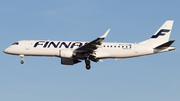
87 51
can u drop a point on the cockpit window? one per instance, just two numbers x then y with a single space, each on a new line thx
16 43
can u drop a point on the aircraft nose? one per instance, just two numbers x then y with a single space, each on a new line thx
6 50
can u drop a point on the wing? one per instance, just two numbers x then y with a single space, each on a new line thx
93 45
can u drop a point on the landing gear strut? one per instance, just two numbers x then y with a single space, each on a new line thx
22 57
88 66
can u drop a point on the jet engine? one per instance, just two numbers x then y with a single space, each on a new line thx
66 53
66 61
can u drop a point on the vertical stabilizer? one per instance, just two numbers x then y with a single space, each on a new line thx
161 36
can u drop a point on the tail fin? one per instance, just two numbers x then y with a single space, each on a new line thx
161 36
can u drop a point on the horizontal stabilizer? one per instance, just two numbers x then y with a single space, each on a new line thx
165 45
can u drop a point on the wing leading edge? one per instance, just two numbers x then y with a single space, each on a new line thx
93 45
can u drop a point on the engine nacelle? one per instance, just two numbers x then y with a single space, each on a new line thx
66 61
66 53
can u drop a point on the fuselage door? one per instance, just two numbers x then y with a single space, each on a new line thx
136 48
27 44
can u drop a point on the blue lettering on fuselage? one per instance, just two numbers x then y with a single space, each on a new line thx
79 44
55 45
65 45
38 43
47 44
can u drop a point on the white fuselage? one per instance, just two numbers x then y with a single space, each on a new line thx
52 48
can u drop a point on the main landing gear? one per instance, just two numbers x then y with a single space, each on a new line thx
22 57
87 61
88 66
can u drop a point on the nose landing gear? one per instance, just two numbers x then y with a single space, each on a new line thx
22 57
21 61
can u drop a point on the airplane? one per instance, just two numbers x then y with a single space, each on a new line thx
72 52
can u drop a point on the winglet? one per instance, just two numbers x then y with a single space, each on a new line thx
104 36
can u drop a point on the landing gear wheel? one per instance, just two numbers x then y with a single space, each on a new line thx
22 62
88 67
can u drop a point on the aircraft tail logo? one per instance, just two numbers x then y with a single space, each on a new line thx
162 32
161 36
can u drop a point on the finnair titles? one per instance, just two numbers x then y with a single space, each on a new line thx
72 52
66 44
